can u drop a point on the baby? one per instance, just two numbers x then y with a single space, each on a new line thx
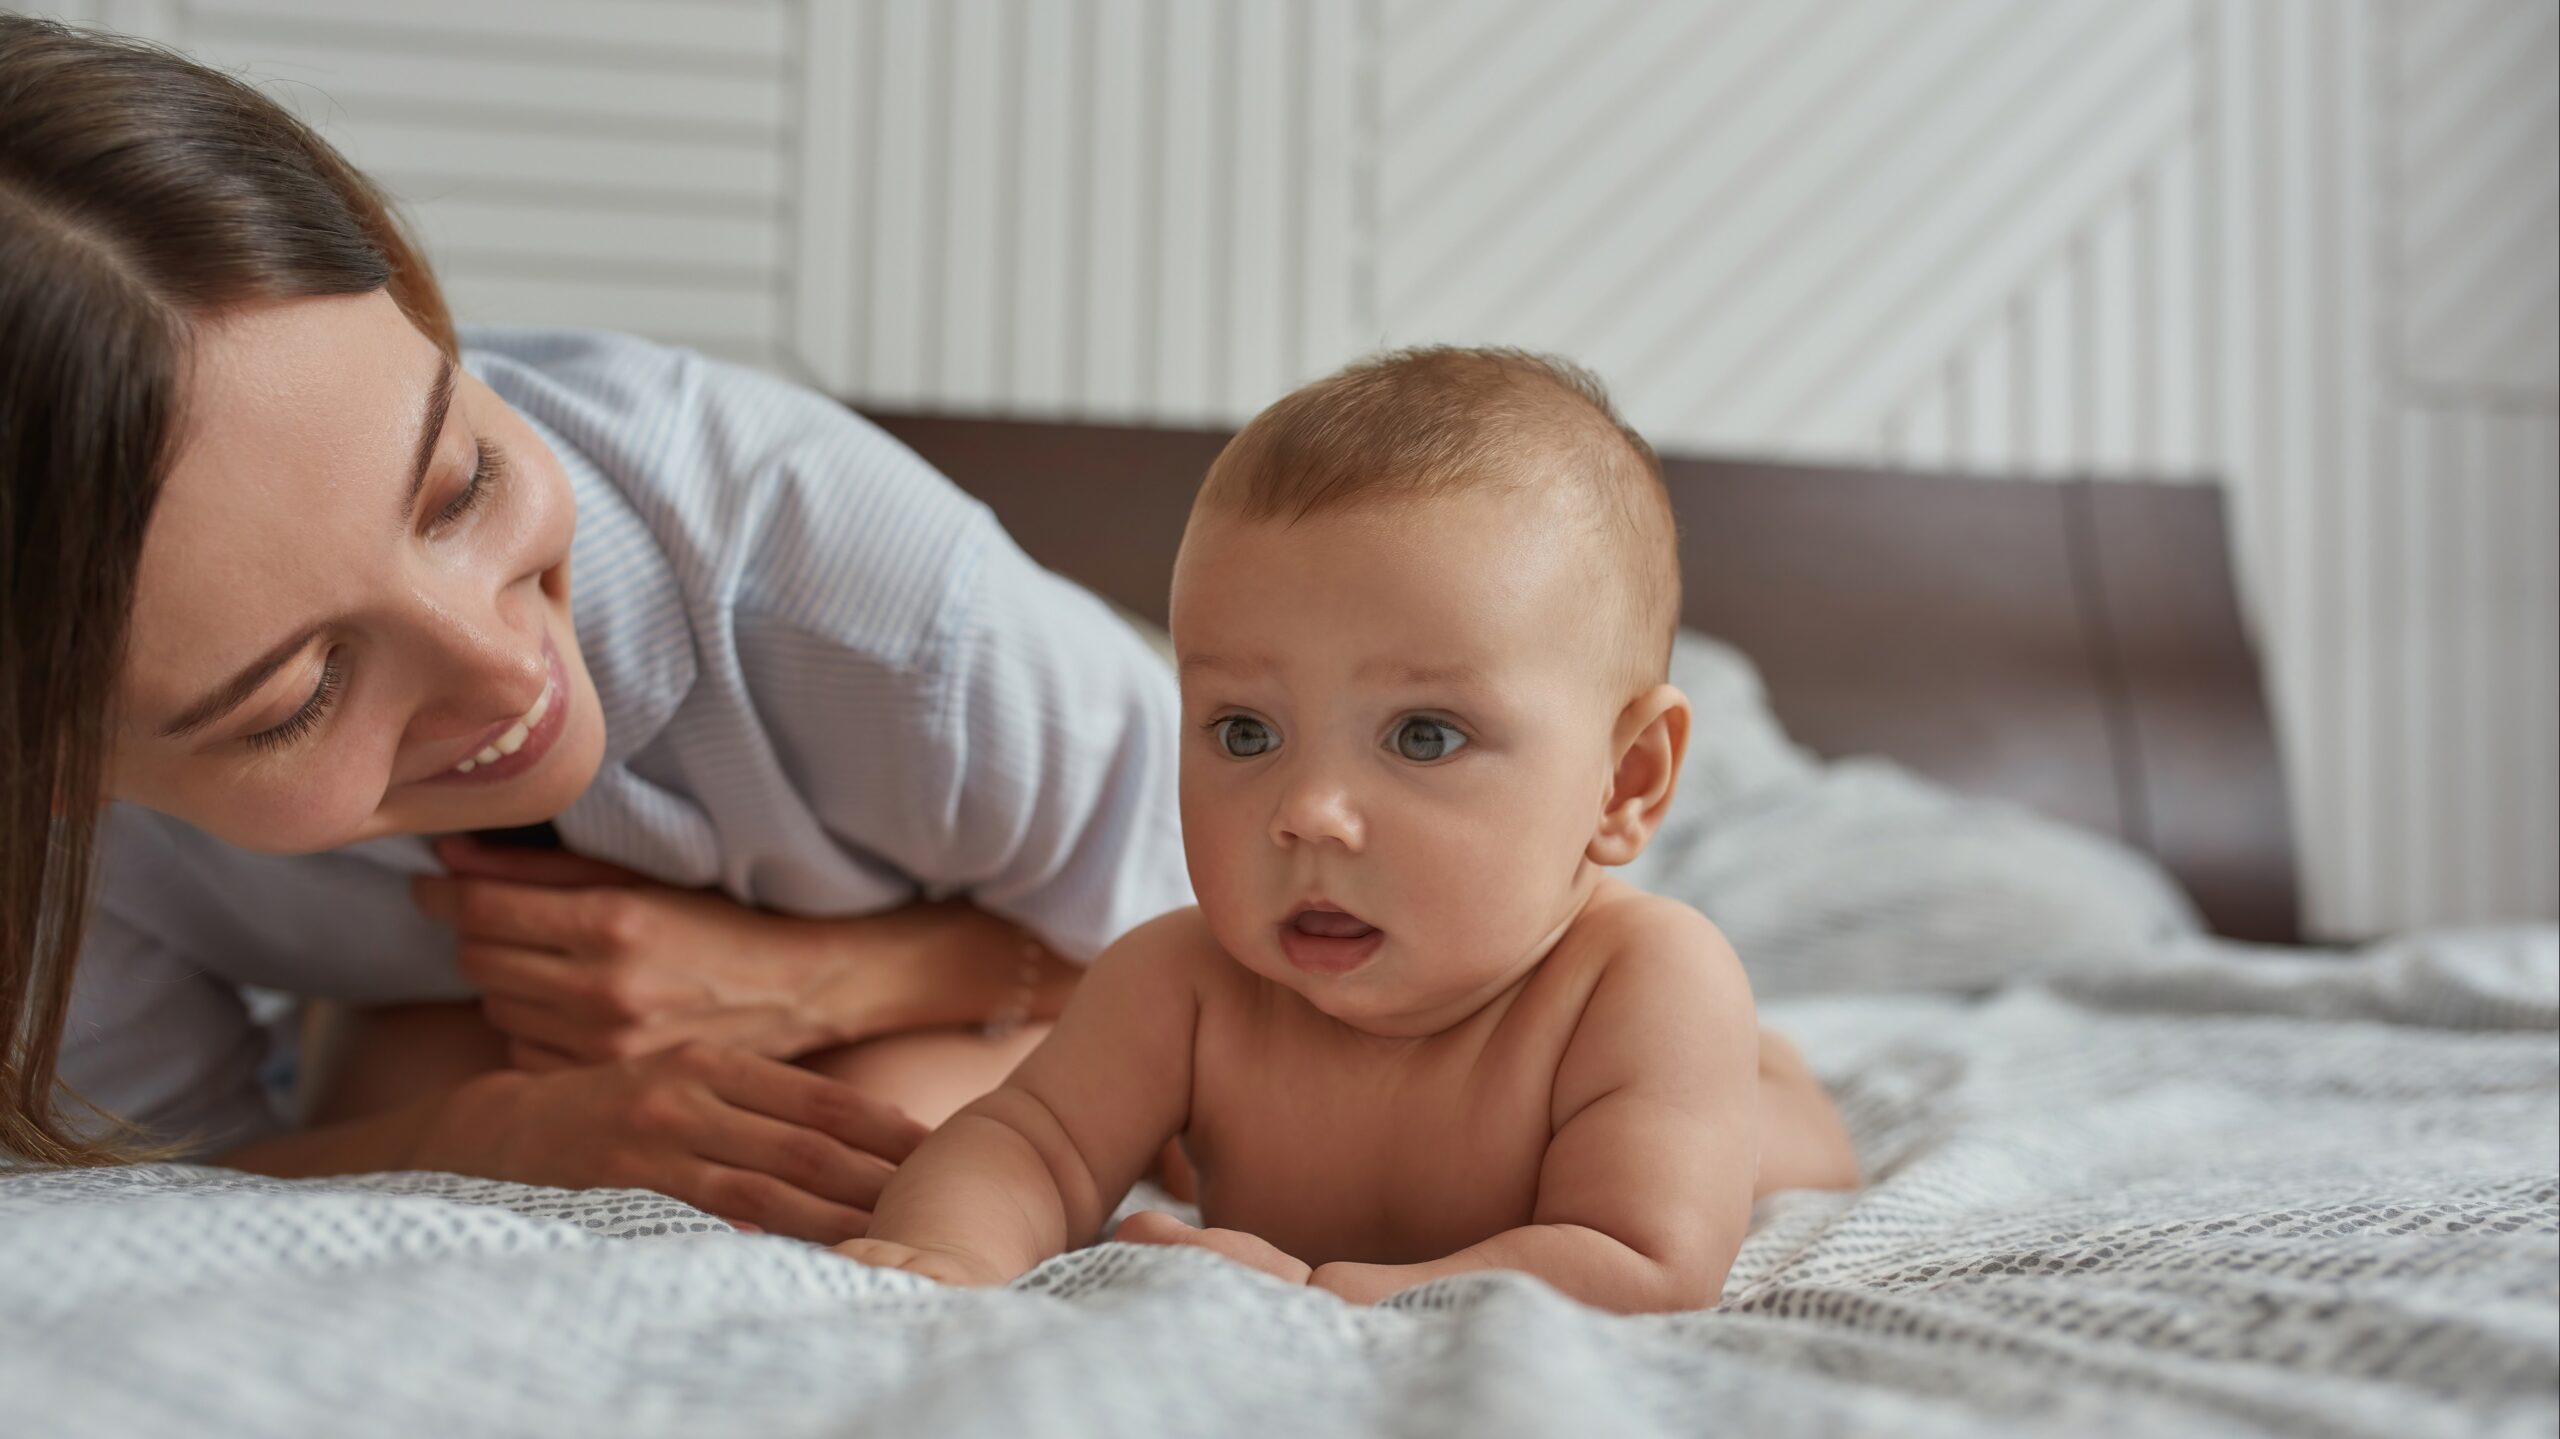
1423 614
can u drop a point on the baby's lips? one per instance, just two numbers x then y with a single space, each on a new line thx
1330 924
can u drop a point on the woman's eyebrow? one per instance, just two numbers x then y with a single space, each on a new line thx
231 696
439 400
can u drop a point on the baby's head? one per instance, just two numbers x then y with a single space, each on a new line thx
1423 613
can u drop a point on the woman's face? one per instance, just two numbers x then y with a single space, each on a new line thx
352 618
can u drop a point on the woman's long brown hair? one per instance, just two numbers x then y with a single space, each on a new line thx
139 191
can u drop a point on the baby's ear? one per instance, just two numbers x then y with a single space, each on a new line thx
1651 738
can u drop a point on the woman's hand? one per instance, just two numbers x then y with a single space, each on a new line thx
759 1142
584 962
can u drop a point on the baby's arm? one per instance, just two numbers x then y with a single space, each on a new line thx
1645 1193
1038 1163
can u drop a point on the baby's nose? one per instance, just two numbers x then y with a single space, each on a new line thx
1318 814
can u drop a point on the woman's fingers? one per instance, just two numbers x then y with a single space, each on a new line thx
540 1024
523 914
542 975
469 858
766 1203
525 1054
795 1096
803 1158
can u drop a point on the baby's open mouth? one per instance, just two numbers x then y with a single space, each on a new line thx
1330 924
1328 941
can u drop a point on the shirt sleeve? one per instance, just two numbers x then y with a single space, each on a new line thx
1024 757
159 1042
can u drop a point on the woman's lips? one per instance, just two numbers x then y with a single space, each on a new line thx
539 736
1328 941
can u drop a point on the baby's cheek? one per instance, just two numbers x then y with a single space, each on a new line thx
1219 860
1478 898
1502 886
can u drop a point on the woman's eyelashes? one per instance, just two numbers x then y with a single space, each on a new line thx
488 472
298 726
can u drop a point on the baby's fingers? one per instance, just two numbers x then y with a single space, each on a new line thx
939 1267
1250 1250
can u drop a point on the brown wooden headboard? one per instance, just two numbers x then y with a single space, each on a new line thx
2075 647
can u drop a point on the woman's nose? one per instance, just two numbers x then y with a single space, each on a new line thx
1317 810
491 659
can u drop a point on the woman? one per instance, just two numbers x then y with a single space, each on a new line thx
289 610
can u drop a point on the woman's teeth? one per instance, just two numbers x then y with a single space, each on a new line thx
513 740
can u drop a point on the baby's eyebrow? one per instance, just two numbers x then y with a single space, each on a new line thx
1195 664
1406 672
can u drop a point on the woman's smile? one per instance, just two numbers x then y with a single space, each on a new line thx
515 746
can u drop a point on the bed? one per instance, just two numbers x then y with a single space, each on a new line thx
1985 791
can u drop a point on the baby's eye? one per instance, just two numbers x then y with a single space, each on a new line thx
1427 739
1244 736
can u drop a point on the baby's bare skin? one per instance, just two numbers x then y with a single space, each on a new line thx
1414 1028
1404 1151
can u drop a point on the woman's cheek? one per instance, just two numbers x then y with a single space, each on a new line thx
310 812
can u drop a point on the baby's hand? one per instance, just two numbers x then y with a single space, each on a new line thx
1252 1251
944 1266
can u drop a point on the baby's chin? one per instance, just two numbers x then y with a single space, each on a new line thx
1382 995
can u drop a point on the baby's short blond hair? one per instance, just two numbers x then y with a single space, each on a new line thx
1438 421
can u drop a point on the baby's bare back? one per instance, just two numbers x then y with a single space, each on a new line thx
1335 1145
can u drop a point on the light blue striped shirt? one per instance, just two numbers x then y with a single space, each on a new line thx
831 685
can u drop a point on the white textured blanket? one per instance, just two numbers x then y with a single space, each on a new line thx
2211 1191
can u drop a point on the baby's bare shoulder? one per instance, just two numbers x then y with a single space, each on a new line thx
1173 947
1644 939
1666 990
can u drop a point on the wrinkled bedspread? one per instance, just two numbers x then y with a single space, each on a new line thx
2211 1190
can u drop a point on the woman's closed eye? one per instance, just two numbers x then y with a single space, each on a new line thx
1422 739
487 474
298 726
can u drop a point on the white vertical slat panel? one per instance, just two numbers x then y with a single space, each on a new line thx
2238 453
906 176
977 98
1330 321
1924 429
747 36
2116 342
1056 104
1991 391
2535 695
1957 401
1190 180
1122 158
830 231
2051 448
2342 485
1260 284
2177 307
